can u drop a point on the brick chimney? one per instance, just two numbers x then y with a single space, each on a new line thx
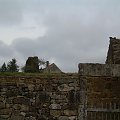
47 64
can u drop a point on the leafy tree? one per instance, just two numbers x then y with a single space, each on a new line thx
12 66
41 62
3 68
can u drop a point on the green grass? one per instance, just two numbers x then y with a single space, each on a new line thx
43 75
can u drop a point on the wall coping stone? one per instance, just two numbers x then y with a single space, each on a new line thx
96 69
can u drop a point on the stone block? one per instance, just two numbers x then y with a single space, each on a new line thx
57 96
22 113
17 117
5 111
11 93
73 118
4 90
2 105
24 108
55 113
55 106
91 69
17 106
1 99
42 97
70 112
21 100
65 87
63 118
31 87
4 117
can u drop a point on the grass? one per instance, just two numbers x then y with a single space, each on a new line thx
37 74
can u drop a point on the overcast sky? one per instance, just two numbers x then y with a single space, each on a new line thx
66 32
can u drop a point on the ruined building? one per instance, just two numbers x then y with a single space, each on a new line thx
99 91
32 64
100 87
113 56
51 68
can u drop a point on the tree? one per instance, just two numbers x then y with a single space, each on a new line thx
3 68
41 62
12 66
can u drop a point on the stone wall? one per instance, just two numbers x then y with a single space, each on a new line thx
49 97
100 86
32 64
93 94
113 55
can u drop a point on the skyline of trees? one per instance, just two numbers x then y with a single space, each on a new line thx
10 67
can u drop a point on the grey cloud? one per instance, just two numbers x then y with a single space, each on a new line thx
10 12
69 42
5 50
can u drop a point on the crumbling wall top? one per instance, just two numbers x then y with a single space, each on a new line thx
91 69
113 55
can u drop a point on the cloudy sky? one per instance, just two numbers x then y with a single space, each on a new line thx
66 32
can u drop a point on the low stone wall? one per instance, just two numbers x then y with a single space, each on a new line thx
107 70
39 98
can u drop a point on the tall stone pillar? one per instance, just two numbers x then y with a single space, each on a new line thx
82 110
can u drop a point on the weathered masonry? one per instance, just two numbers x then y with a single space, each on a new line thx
99 92
50 97
100 87
94 95
113 56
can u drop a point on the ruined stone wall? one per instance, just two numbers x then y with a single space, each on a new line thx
113 55
32 64
100 91
49 97
103 98
93 94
